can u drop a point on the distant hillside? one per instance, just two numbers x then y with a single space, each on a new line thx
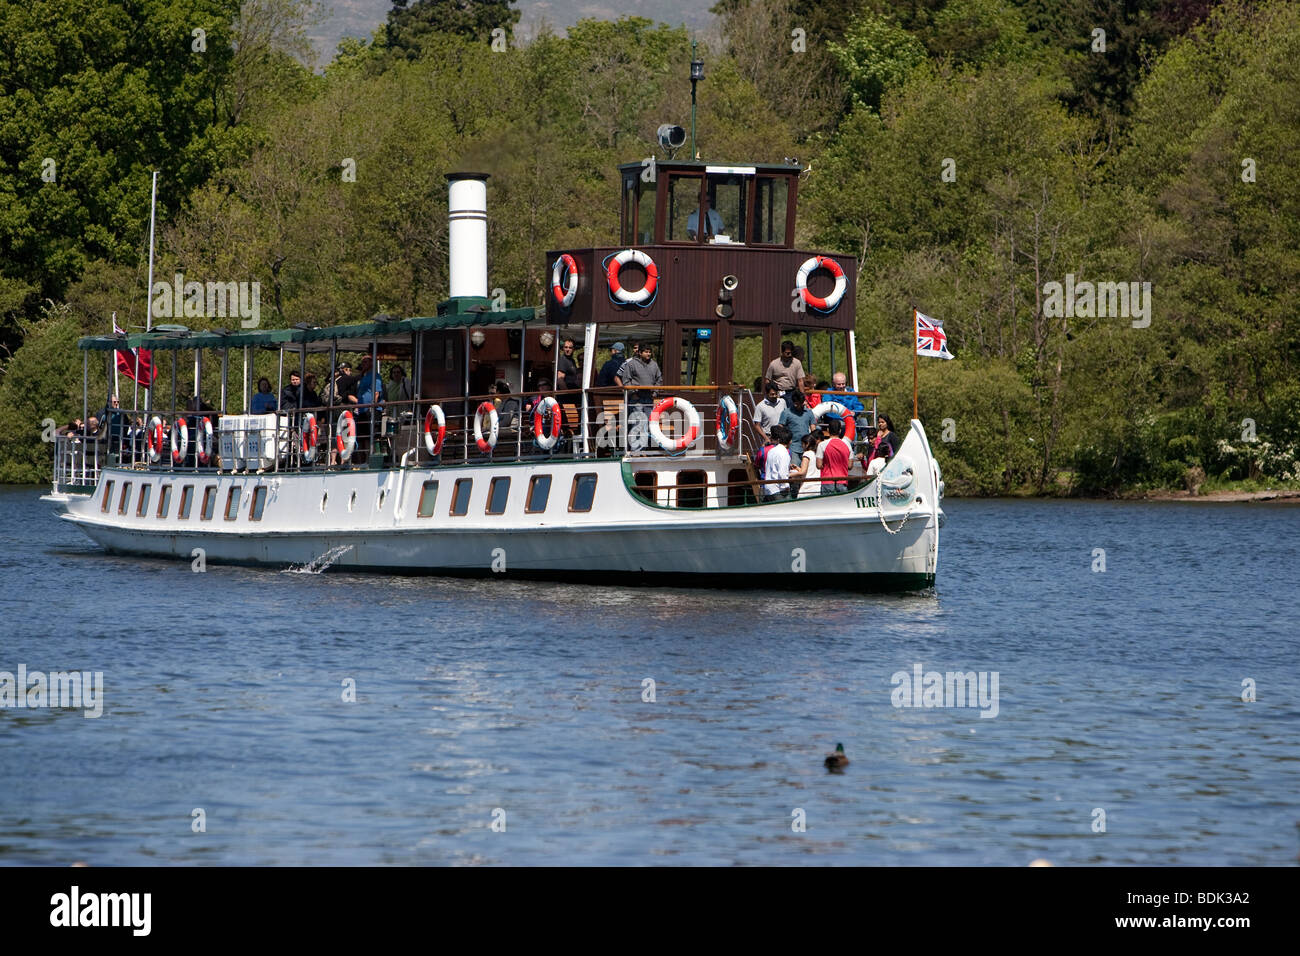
359 18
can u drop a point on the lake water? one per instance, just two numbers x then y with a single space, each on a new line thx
1118 691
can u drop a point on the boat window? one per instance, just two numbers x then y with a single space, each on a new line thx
232 504
683 200
583 493
108 497
739 491
646 483
209 503
143 506
164 501
428 499
259 503
123 501
629 209
771 201
460 496
539 491
728 195
691 490
187 499
747 360
697 355
645 214
498 495
821 351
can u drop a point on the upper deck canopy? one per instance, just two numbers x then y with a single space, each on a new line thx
452 314
696 202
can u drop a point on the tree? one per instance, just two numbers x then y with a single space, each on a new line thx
411 24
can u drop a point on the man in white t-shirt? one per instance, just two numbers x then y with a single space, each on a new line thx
767 413
777 470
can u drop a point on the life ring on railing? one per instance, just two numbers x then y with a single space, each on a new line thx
728 423
485 445
829 303
180 449
850 426
310 436
153 438
692 425
434 414
642 295
203 439
544 440
564 284
347 425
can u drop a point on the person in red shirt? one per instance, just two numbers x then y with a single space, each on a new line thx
833 458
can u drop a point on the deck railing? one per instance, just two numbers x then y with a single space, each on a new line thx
594 423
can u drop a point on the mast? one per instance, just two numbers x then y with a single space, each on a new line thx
148 293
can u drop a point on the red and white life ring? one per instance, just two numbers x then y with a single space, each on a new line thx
548 405
310 436
642 295
829 303
347 426
564 280
692 425
180 448
728 422
434 414
485 445
203 439
153 438
850 426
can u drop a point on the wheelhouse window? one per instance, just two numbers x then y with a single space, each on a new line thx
539 491
187 501
771 204
583 493
164 500
498 495
142 509
259 503
232 504
460 496
646 483
108 497
209 503
628 219
728 195
428 499
683 199
125 499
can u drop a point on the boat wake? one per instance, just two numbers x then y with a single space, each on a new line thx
319 564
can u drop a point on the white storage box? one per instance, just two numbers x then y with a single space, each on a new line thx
233 442
267 437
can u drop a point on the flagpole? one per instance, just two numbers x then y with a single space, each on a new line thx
915 339
117 382
148 292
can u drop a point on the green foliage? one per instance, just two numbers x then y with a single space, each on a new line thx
413 26
877 55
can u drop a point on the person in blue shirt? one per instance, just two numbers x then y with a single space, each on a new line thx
370 389
799 418
836 394
264 401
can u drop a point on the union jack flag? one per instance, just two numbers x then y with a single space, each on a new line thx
930 338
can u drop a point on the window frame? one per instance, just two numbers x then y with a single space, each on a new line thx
546 499
433 502
186 507
573 491
455 495
258 504
233 497
164 499
492 490
209 506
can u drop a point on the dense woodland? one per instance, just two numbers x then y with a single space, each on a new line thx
967 151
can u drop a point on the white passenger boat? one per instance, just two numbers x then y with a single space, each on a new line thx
455 481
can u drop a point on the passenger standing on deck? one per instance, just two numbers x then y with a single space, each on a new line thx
785 372
881 448
776 470
767 413
605 378
567 374
806 472
291 394
640 369
833 457
797 417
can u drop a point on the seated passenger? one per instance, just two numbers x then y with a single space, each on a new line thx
776 469
310 397
264 401
291 394
836 394
811 393
507 407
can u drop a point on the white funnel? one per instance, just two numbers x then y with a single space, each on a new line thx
467 234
